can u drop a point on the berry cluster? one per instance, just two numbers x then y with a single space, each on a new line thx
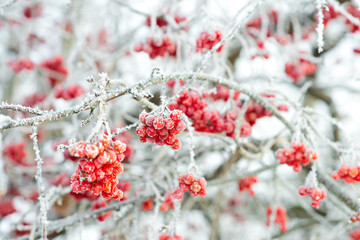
16 152
188 183
147 205
169 196
166 237
355 235
194 106
100 203
349 174
97 170
302 68
161 130
256 110
280 218
246 184
21 64
57 72
316 195
70 92
7 207
296 156
162 23
33 11
355 217
34 99
157 47
208 41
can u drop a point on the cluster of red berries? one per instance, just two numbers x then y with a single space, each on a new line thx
33 99
349 174
194 106
355 217
316 195
7 207
157 129
222 93
157 47
161 21
56 70
208 41
21 64
166 237
100 203
355 235
169 196
16 152
33 11
97 170
147 205
281 218
296 156
246 184
70 92
302 68
196 187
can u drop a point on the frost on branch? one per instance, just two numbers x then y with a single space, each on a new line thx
320 5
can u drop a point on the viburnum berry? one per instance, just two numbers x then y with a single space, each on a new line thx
21 64
70 92
246 184
156 128
98 204
196 187
349 174
56 70
296 156
355 235
315 193
300 69
281 218
97 170
147 205
208 41
166 237
157 47
169 196
16 152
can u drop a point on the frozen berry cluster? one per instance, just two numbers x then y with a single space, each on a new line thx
166 237
355 235
98 204
157 47
70 92
255 110
246 184
156 128
315 193
98 168
193 105
296 156
281 218
196 187
208 41
34 99
21 64
56 70
300 69
161 22
355 217
147 205
169 197
349 174
16 152
33 11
